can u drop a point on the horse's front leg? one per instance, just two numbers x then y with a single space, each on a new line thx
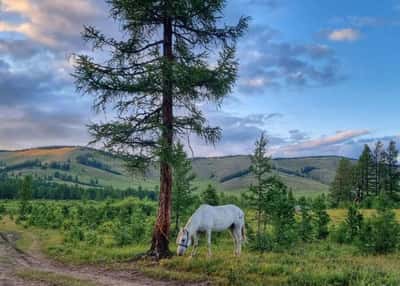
209 242
195 244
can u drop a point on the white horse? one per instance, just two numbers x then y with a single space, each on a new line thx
207 219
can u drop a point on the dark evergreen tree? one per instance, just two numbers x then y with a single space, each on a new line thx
159 65
209 196
25 195
354 222
393 173
257 194
342 185
281 211
321 217
379 165
366 173
306 230
381 233
182 188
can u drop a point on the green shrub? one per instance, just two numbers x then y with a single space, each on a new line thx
321 218
74 234
92 238
339 234
349 230
122 234
262 242
354 222
380 234
305 227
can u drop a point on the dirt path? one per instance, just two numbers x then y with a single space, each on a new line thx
13 260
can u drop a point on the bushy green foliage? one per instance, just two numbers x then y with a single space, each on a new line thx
282 216
261 242
74 234
278 229
381 233
122 234
321 217
210 196
354 222
25 194
128 221
226 199
305 227
46 215
349 230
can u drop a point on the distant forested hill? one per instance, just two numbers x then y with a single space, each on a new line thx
94 168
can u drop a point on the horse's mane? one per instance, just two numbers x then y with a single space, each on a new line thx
189 221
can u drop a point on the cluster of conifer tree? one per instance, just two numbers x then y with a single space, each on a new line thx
10 188
274 208
376 173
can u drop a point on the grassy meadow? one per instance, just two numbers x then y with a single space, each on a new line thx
320 262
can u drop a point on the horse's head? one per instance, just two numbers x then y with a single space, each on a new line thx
183 241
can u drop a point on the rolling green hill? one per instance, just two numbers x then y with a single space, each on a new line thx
91 167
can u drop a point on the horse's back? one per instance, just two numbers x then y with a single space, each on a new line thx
224 208
229 208
221 217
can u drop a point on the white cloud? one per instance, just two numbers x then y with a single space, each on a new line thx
314 144
255 82
344 35
48 21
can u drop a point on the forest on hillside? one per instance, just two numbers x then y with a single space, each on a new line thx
375 174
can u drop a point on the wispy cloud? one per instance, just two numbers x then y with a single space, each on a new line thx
339 137
344 35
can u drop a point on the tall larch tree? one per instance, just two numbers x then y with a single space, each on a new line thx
366 169
342 185
357 183
393 173
378 157
257 195
171 55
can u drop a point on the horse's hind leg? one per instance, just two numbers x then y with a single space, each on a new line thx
237 233
209 242
232 232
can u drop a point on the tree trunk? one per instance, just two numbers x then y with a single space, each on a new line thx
159 246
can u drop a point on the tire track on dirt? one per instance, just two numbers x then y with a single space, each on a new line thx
16 260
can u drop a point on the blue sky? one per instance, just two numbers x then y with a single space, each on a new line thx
319 77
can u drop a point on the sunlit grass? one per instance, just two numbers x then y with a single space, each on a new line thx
316 263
